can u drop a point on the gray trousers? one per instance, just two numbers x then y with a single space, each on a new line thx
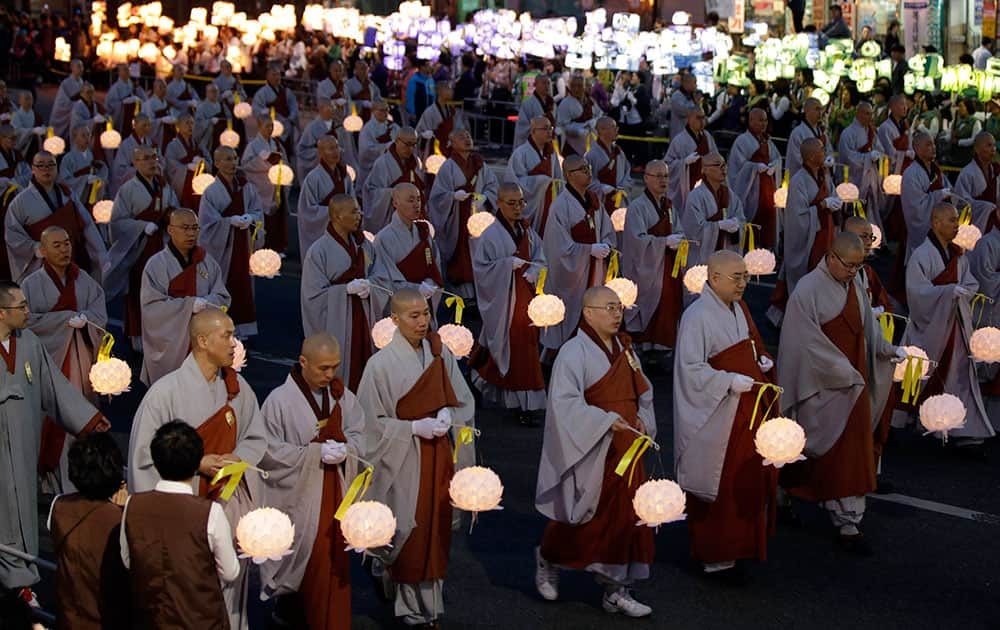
419 603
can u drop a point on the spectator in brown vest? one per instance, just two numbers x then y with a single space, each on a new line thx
178 547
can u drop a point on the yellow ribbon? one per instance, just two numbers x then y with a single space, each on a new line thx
50 132
465 436
632 456
618 198
229 124
979 299
847 172
109 126
106 344
357 489
680 258
554 191
236 98
437 147
859 209
748 239
13 188
756 404
235 473
198 170
459 305
138 108
784 179
253 235
92 199
612 268
354 109
272 113
911 378
888 324
555 146
540 285
965 218
277 186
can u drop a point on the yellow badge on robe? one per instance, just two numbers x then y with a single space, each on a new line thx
230 418
27 371
203 273
632 361
428 258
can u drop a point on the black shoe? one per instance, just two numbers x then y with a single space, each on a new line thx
734 577
788 517
856 544
530 418
884 487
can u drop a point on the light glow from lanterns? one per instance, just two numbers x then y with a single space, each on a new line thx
201 182
892 184
478 223
546 310
985 344
900 371
368 525
618 219
243 111
110 139
695 278
239 356
265 534
476 489
781 197
780 441
353 123
458 338
434 163
110 376
659 501
54 145
229 138
848 192
760 262
102 211
281 174
942 413
626 289
383 331
265 263
968 236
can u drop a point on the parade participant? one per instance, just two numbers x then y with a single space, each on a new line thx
84 173
860 149
230 86
183 98
538 104
439 121
63 299
600 400
29 125
361 91
812 126
121 165
123 100
577 117
324 125
66 97
335 288
212 118
14 169
396 166
88 112
158 110
688 148
333 87
535 166
682 101
894 135
177 282
610 167
414 394
506 263
277 98
312 423
328 178
977 182
182 158
577 242
867 276
261 153
754 175
376 136
714 215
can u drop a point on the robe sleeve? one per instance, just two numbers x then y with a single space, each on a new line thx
61 400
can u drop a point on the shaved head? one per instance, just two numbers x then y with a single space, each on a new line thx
51 233
407 132
178 215
847 245
809 147
319 344
403 299
943 210
573 162
599 296
606 123
508 190
725 261
207 322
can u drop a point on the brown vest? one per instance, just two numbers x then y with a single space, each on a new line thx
173 573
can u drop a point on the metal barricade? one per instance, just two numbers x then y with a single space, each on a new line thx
40 614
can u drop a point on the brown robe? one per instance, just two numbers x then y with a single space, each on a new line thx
662 327
421 262
361 351
544 167
219 432
766 215
609 175
459 268
67 217
154 213
238 281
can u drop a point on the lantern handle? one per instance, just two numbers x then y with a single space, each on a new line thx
103 330
380 287
655 445
476 432
263 473
361 459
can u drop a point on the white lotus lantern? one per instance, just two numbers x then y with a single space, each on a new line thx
626 289
848 192
110 139
351 172
659 501
353 123
618 219
265 263
916 352
102 211
111 376
281 174
985 344
478 223
968 236
893 184
243 110
877 233
780 441
781 197
760 262
546 310
278 130
368 525
942 413
201 182
229 138
54 145
695 278
239 356
434 163
265 534
383 332
369 236
458 338
476 489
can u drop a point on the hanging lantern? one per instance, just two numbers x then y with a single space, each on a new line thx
351 172
916 352
618 219
434 163
353 123
659 501
760 262
892 184
200 183
229 138
369 236
942 413
265 263
985 344
54 145
968 236
695 278
110 376
781 197
242 110
478 223
102 211
239 356
546 310
265 534
383 332
281 174
110 139
278 130
367 525
780 441
848 192
626 289
475 489
458 338
877 233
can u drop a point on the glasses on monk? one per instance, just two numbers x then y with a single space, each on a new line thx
187 227
541 128
582 168
44 165
658 175
721 165
738 278
611 308
867 238
516 203
17 307
847 265
408 143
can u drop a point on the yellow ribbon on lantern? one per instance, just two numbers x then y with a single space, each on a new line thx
437 147
459 305
354 109
748 239
13 188
756 405
235 473
784 179
981 300
680 258
588 141
612 268
618 198
847 172
92 198
253 235
555 146
859 209
888 325
272 113
109 126
632 456
911 378
465 436
357 490
236 98
50 132
965 218
107 342
198 170
229 124
277 186
138 108
540 285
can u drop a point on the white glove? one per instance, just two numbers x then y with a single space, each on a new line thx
442 427
531 275
264 155
424 428
78 321
333 452
674 240
427 289
833 203
741 384
877 311
199 305
359 287
901 355
762 167
600 250
461 195
729 225
910 154
961 292
765 364
519 262
427 134
150 228
945 192
770 170
98 119
691 159
607 189
340 102
828 162
38 131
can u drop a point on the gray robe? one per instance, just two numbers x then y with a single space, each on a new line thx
701 205
680 105
680 147
205 117
128 235
62 107
73 162
392 244
888 132
643 259
598 158
255 168
575 133
917 203
22 173
984 263
151 107
530 108
524 158
262 100
307 156
179 105
801 224
121 164
120 95
376 196
970 184
25 123
313 215
744 178
353 88
83 115
793 154
370 149
177 169
863 172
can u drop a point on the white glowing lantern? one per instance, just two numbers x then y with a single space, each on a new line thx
239 356
265 263
110 139
54 145
353 123
626 289
760 262
915 352
229 138
279 129
848 192
111 376
985 344
968 236
546 310
383 332
892 184
476 489
695 278
458 338
434 163
368 525
781 197
102 211
243 110
281 174
877 233
478 223
659 501
265 534
618 219
200 183
369 236
149 52
942 413
780 441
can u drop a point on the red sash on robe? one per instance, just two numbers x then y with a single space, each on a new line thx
585 116
242 309
721 195
218 433
459 268
548 108
585 232
96 109
766 215
154 213
361 348
701 147
409 175
365 94
897 287
421 263
848 468
902 142
611 536
280 103
609 175
444 129
823 239
337 174
67 217
736 525
185 283
871 140
544 167
424 555
989 193
169 130
188 197
662 327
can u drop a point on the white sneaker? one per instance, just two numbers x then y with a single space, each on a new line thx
546 577
621 601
